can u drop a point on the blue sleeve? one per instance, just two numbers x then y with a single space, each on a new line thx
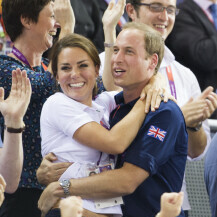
162 136
210 174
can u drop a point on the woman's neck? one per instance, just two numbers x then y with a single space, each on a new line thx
28 50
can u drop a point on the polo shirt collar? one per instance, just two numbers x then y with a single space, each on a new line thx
168 58
119 99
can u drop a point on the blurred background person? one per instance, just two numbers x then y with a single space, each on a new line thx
194 40
210 175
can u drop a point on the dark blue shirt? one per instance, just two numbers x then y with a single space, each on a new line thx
160 148
210 174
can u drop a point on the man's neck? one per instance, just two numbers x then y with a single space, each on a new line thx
130 95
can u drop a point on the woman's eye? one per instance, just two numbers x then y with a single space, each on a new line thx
65 68
83 65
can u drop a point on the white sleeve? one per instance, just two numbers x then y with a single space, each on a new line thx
107 100
64 115
102 59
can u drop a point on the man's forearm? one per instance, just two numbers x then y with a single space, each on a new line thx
197 142
109 184
105 185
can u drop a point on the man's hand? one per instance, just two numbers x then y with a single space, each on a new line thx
71 207
198 110
171 204
14 107
2 189
52 193
50 172
113 14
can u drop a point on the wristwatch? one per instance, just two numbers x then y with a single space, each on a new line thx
65 184
195 129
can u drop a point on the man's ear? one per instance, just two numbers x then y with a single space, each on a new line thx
131 11
26 22
153 62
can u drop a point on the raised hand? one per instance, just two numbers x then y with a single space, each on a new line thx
14 107
171 204
113 13
64 16
197 110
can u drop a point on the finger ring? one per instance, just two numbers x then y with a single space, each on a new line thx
161 96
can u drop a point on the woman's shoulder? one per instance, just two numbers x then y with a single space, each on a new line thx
59 99
8 63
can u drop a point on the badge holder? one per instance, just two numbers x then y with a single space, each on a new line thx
93 169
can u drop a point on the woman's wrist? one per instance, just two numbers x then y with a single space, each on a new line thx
12 123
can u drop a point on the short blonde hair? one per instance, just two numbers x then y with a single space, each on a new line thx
154 43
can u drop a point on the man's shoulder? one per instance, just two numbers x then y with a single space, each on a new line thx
169 106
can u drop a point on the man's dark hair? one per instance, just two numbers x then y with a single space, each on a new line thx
12 10
134 3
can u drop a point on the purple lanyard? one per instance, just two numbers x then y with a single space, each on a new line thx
111 157
171 81
21 57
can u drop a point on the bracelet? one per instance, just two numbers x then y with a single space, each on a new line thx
195 129
158 215
14 130
109 45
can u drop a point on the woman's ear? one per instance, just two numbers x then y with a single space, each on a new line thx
97 70
131 11
26 22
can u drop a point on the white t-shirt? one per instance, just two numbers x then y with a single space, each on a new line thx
187 86
61 116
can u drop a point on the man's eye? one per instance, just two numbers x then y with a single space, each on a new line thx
156 8
129 51
170 10
115 50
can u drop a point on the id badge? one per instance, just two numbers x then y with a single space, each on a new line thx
92 169
104 203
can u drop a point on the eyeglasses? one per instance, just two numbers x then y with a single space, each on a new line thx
155 7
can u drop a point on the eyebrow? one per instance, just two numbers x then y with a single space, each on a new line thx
162 4
115 46
79 62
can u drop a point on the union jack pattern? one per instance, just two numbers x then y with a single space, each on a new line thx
157 133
